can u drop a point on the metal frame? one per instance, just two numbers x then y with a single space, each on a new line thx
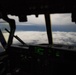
12 28
48 27
2 40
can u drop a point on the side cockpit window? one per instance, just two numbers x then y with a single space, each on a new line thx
63 29
4 35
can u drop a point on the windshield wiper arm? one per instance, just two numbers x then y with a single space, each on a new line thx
17 38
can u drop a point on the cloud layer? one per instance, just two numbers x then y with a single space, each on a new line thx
32 37
66 38
35 37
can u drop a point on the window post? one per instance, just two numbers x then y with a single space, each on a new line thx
48 28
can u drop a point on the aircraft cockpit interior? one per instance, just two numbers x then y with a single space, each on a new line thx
37 37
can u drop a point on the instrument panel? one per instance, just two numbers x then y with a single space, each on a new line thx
45 51
42 59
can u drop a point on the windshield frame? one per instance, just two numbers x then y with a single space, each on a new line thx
12 29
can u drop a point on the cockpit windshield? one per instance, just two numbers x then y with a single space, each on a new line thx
34 30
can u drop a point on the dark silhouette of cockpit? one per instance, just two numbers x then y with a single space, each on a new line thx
35 59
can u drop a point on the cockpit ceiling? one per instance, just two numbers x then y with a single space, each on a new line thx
27 7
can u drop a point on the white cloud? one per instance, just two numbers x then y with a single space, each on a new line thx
66 38
35 37
32 37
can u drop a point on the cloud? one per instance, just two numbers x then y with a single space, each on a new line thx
32 37
66 38
35 37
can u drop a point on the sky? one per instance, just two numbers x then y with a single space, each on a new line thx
61 19
56 19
